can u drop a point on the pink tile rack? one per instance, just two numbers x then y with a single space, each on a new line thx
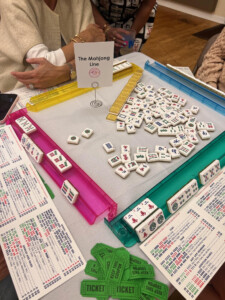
93 203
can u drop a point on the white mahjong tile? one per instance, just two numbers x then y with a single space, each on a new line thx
138 89
143 169
204 135
149 87
108 147
120 126
189 131
114 161
193 139
131 166
150 128
140 157
140 213
201 125
148 119
194 109
131 219
149 100
129 120
174 121
175 97
137 122
209 172
190 125
183 137
57 159
182 101
148 206
179 128
140 115
63 166
158 124
175 105
150 94
187 112
210 126
121 117
156 114
52 154
141 85
141 95
126 107
87 133
130 128
24 139
38 154
132 114
29 128
166 122
69 191
175 142
125 157
152 157
125 148
122 171
182 119
28 145
164 157
165 132
162 89
73 139
173 204
186 148
194 186
142 149
131 100
160 149
174 152
147 112
21 120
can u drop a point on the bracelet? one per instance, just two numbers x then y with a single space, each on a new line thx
78 37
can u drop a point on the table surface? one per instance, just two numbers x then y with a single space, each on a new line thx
72 117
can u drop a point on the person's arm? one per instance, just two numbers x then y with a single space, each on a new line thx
213 62
143 14
46 74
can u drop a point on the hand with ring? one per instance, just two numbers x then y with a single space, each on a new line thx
114 34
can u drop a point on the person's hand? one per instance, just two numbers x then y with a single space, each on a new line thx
44 76
93 33
115 34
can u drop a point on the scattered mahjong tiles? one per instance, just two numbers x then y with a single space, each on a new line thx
120 275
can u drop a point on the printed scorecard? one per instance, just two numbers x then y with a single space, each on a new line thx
39 250
190 247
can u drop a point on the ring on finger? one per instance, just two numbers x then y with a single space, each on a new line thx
114 38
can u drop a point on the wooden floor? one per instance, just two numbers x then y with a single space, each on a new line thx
172 41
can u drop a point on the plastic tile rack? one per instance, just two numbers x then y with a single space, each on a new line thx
93 203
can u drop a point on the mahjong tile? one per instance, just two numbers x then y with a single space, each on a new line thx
148 206
149 87
137 122
87 133
120 126
138 89
130 128
108 147
150 128
69 191
175 97
193 139
131 166
141 85
141 95
194 109
125 157
73 139
63 166
114 161
142 149
187 112
125 148
131 219
183 137
201 125
122 171
173 204
182 101
204 135
53 154
164 157
174 152
143 169
186 148
174 121
140 157
175 142
152 157
190 125
140 213
160 149
210 126
24 139
121 117
148 119
182 118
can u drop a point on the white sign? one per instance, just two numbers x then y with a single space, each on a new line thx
94 64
